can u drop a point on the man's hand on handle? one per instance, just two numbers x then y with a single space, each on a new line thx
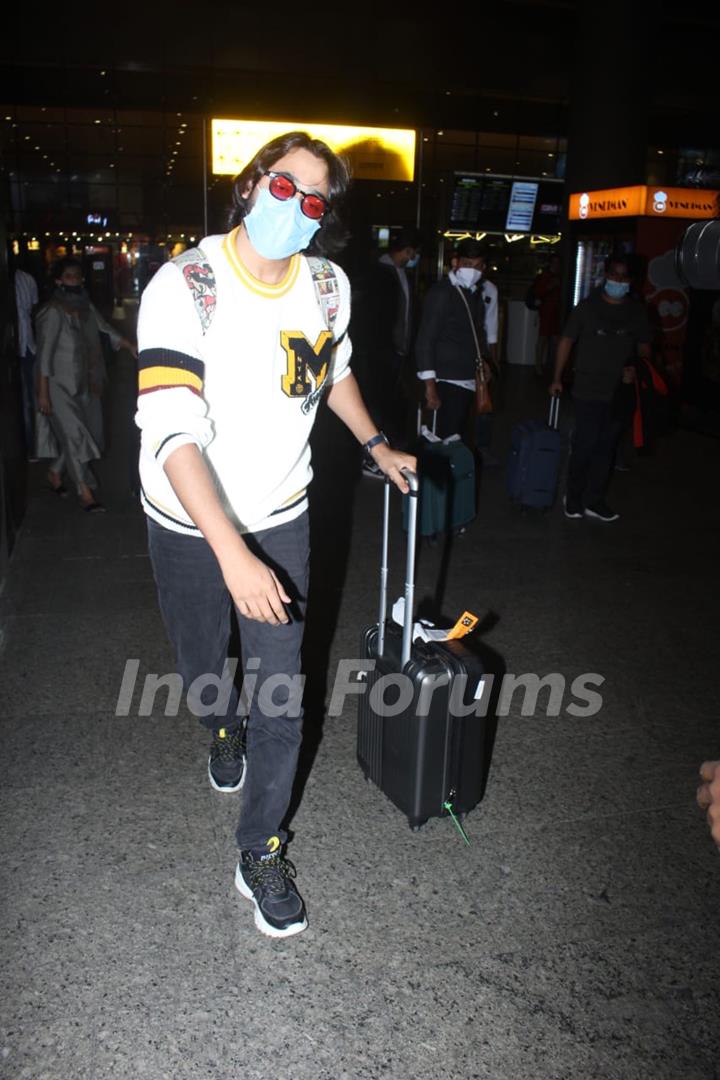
392 462
556 388
432 398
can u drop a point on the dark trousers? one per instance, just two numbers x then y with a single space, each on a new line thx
27 369
454 412
196 608
389 405
594 442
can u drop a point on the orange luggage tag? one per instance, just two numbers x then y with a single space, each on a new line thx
465 625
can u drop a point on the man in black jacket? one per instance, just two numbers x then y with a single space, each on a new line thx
451 339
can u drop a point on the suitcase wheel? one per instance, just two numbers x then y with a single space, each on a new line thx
416 826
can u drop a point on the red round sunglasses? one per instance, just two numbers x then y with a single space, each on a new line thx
283 187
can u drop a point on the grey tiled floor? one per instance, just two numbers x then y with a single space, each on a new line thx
577 936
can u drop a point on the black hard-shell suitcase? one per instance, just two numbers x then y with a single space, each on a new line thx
425 764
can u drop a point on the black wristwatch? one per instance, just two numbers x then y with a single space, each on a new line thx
375 441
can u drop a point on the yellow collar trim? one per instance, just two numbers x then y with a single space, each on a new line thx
261 288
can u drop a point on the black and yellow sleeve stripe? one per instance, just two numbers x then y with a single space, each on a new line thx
162 369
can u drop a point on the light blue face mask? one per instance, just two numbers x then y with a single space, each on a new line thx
412 263
616 290
277 228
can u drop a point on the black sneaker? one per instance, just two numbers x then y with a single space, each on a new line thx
265 877
226 764
573 509
601 511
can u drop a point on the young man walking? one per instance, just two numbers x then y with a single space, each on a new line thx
239 340
610 328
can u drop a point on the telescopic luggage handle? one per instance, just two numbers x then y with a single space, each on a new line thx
419 420
554 415
412 480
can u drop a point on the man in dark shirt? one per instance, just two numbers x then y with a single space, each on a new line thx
386 312
609 328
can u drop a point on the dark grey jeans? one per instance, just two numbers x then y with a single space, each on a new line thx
196 609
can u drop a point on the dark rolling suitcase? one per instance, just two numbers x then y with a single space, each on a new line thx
446 499
427 764
534 465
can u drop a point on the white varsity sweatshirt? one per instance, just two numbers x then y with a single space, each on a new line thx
245 391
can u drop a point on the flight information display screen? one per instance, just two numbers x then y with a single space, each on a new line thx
480 202
522 206
501 204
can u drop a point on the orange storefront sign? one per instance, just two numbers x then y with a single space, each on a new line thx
681 202
641 201
612 202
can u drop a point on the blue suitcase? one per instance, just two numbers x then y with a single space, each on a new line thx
534 465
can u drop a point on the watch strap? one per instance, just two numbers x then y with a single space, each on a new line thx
375 441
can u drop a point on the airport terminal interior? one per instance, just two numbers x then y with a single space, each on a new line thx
565 923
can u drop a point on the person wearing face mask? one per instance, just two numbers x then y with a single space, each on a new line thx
459 319
608 329
239 341
71 379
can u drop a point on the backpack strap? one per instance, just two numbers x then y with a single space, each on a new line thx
199 277
327 289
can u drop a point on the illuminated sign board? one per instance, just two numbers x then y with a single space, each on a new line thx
681 202
643 201
613 202
374 153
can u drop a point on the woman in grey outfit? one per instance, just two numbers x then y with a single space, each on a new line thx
71 378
